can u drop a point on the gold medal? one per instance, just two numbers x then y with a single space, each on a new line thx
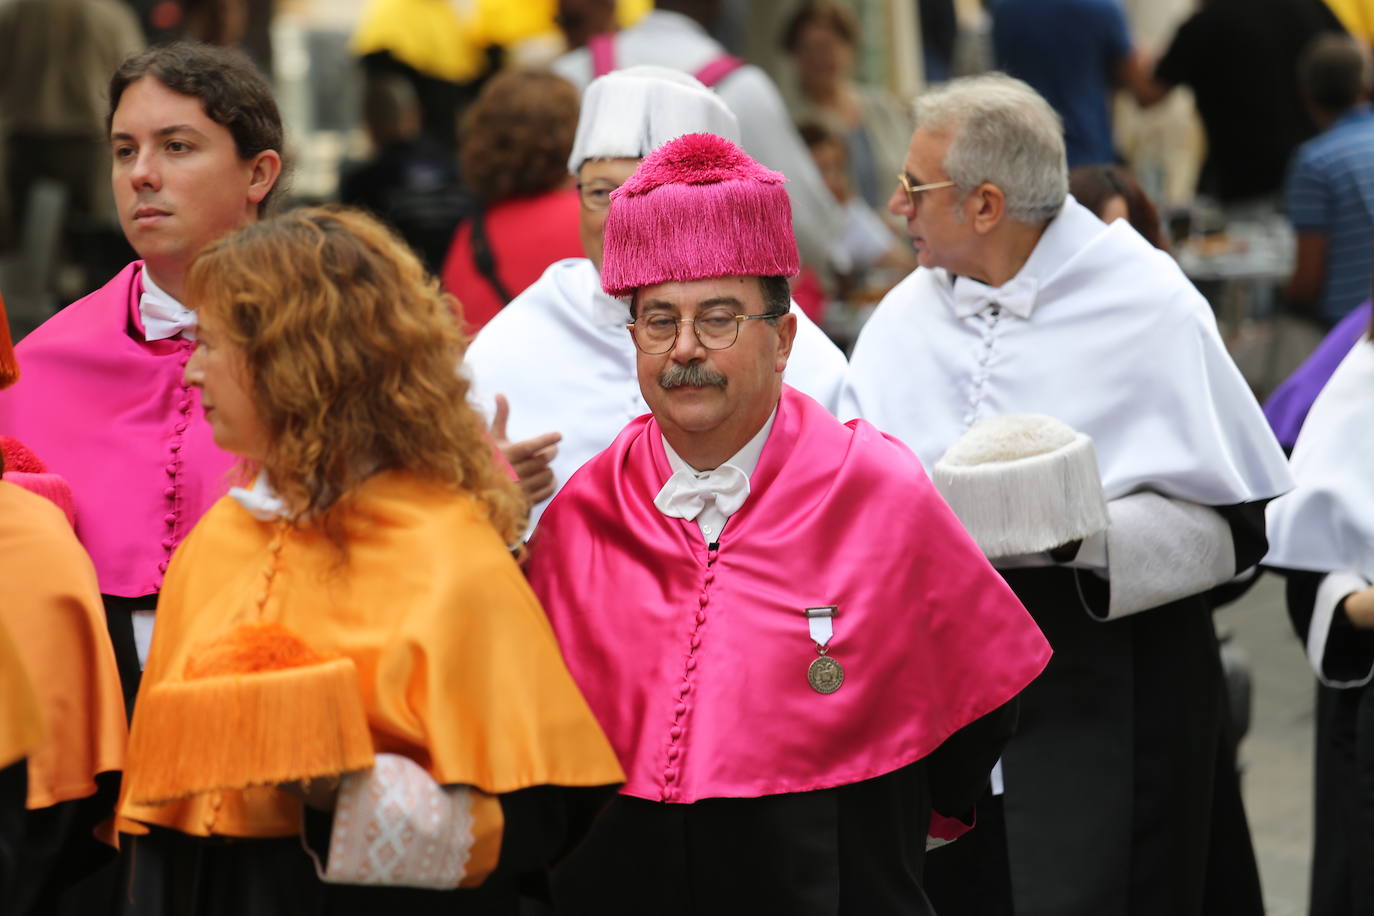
825 675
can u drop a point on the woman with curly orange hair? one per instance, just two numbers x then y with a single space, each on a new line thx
513 151
351 631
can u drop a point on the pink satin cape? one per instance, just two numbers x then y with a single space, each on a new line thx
698 673
108 411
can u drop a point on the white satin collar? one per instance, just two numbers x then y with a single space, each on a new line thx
1326 524
260 500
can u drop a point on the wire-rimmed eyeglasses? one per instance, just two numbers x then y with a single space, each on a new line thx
717 329
913 189
596 194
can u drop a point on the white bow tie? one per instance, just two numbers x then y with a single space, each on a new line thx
164 317
1017 297
685 494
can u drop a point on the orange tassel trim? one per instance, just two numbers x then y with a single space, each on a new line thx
257 708
9 365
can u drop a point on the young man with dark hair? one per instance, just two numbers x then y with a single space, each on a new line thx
195 141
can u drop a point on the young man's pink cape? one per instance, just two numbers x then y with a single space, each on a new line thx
108 411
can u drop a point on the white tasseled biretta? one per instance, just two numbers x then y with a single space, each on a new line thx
629 113
1023 483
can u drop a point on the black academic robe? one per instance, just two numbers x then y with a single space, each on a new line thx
1343 827
1112 778
174 873
855 850
14 788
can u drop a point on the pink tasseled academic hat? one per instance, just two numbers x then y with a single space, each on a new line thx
697 207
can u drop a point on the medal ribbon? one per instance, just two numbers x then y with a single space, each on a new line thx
821 622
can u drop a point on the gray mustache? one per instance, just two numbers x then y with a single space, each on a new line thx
695 375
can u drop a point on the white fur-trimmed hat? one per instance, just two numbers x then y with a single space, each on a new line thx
629 113
1023 483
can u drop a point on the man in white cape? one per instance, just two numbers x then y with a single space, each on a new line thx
1114 796
561 353
1322 539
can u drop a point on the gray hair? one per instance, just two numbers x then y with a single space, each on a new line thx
1004 134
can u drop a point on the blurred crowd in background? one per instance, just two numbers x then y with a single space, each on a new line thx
452 120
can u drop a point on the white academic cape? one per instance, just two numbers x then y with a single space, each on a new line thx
1108 336
1326 524
1105 333
1117 344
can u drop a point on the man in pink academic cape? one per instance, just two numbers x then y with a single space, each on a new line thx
795 649
195 140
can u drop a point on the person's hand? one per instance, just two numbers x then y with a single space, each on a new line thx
529 458
1359 607
321 793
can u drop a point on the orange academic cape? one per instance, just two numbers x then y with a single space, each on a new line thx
52 611
457 664
21 729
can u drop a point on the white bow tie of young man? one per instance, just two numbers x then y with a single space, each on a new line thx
164 317
686 493
1017 296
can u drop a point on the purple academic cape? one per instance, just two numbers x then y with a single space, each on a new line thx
1287 407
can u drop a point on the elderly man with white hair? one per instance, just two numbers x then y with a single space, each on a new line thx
560 353
1025 303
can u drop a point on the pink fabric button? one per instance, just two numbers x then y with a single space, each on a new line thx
676 732
170 518
669 774
175 446
701 617
168 543
691 664
684 690
184 406
682 709
170 492
162 566
672 753
172 469
180 427
696 642
704 600
710 577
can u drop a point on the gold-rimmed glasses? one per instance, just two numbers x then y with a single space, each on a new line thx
913 189
717 329
596 194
